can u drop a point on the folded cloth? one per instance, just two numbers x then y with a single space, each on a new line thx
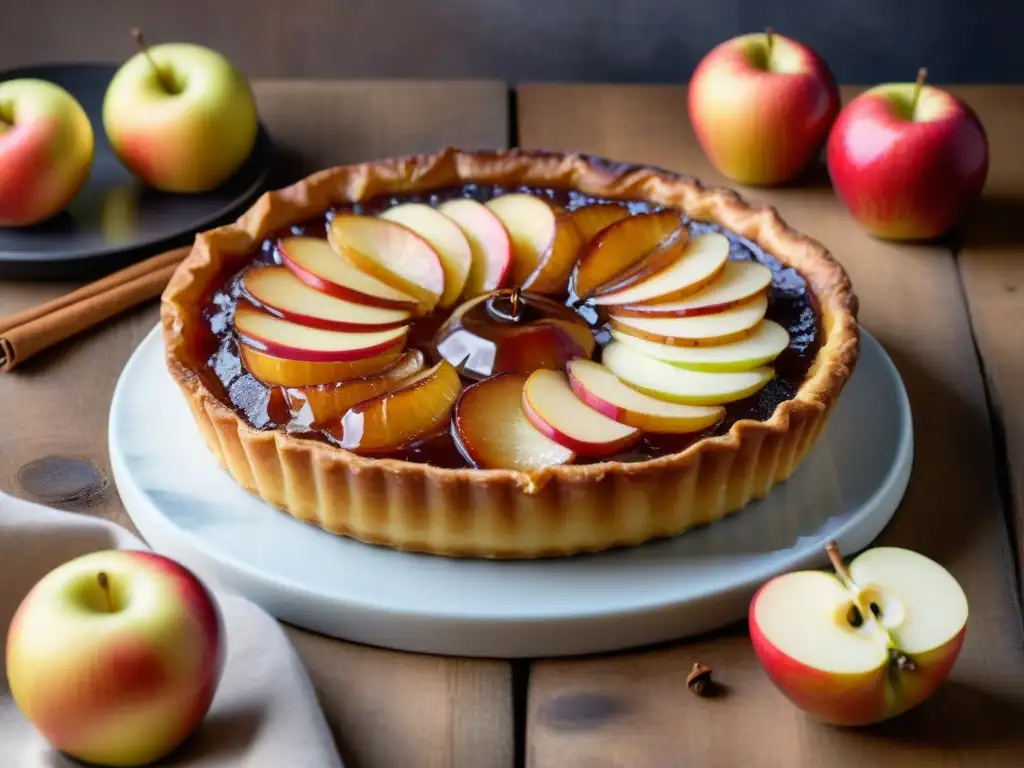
265 713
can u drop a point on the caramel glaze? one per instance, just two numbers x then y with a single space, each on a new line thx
791 305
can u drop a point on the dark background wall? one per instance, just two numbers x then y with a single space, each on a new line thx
864 41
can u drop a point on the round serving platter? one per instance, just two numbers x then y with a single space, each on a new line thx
115 219
188 508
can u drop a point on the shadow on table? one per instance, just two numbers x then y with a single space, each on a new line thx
995 222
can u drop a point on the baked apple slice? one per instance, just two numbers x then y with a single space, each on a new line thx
697 266
316 264
489 244
284 372
738 282
447 240
591 219
318 405
491 429
679 385
278 291
554 409
768 342
545 241
724 327
390 253
418 409
603 391
628 251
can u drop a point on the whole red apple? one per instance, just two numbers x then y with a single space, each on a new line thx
761 106
907 159
115 656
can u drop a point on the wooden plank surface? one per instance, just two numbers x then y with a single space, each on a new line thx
387 709
634 709
991 261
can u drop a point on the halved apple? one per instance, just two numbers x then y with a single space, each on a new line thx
724 327
768 342
318 405
627 251
447 240
545 241
489 244
391 253
315 263
605 392
591 219
550 403
680 385
698 265
416 410
285 372
737 282
492 431
280 292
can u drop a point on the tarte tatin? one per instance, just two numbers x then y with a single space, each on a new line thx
508 354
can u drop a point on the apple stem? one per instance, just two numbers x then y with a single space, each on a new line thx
832 548
922 73
515 303
770 35
161 75
104 582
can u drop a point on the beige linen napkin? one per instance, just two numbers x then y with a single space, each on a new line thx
265 713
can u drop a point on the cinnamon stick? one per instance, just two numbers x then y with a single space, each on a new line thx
30 332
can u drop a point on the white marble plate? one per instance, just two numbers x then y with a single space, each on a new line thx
188 508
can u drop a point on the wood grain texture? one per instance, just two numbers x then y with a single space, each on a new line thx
991 261
634 709
387 709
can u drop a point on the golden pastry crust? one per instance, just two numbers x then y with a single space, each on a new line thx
497 513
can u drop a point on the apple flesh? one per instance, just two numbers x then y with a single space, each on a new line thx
591 219
181 117
865 646
907 159
738 282
489 243
761 106
447 240
723 327
680 385
115 656
46 151
287 372
605 392
766 343
555 410
492 431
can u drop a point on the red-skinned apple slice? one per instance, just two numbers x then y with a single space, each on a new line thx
391 253
492 431
591 219
554 409
278 291
605 392
730 325
418 409
762 347
447 240
699 264
283 372
545 241
489 244
315 263
739 281
282 338
628 251
680 385
317 405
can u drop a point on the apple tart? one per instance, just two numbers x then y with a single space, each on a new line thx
508 354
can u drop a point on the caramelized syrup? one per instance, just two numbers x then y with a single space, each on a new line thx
790 304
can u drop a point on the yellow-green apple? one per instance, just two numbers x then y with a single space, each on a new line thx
115 656
737 282
864 644
761 106
46 150
907 159
766 343
729 325
181 117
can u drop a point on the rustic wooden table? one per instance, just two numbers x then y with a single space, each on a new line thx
944 312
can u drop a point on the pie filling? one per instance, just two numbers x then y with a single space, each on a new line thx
402 392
